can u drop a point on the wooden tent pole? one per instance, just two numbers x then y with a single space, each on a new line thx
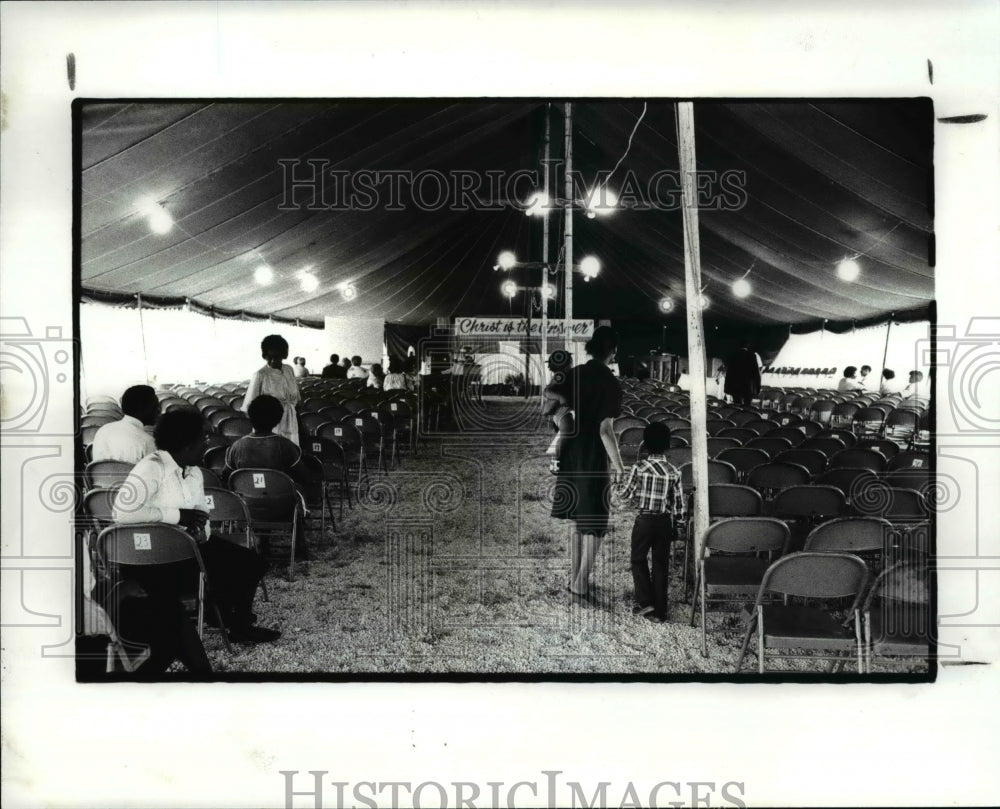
885 351
695 329
568 251
545 257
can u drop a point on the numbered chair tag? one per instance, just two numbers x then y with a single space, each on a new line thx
917 462
359 422
210 501
258 481
317 447
338 431
142 542
393 407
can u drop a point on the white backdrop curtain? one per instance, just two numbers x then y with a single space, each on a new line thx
119 349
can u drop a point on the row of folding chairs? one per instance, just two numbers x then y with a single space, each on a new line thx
747 558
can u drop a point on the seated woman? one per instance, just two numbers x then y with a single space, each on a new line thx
376 376
167 486
396 379
850 382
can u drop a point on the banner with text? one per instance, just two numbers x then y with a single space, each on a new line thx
517 327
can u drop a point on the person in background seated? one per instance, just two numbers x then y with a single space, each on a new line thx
376 378
346 365
889 383
654 485
299 367
167 487
915 386
334 370
276 379
849 381
396 379
865 370
125 440
356 371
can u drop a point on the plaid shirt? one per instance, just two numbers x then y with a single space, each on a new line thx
655 485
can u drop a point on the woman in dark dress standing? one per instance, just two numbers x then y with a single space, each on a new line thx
588 458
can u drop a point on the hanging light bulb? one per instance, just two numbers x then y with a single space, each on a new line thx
348 292
548 291
704 301
157 217
590 267
506 260
508 288
537 204
666 304
741 288
848 270
263 275
602 201
308 281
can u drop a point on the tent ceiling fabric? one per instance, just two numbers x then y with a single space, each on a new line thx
825 180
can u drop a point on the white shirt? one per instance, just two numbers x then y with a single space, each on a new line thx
282 386
157 489
846 384
357 372
125 440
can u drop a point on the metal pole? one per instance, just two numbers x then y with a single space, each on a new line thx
695 329
545 258
527 345
568 242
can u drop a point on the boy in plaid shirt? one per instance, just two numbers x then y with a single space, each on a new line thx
654 487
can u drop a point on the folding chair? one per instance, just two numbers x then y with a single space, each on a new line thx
717 444
770 478
916 478
231 521
714 426
631 438
235 427
373 436
902 424
908 459
843 414
742 417
334 469
868 422
762 426
348 438
897 617
733 500
744 459
678 456
310 422
848 438
770 444
822 410
866 537
157 543
275 506
813 577
731 568
859 457
106 474
811 459
805 506
829 445
793 435
741 434
92 420
404 425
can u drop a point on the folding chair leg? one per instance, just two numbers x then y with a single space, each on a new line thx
295 534
329 508
746 642
760 641
704 622
222 626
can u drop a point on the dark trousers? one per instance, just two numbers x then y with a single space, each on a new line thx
234 572
146 612
651 536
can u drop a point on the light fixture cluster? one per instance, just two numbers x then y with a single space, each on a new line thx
589 267
264 275
157 217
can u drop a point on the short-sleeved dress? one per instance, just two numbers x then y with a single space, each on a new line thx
582 491
283 387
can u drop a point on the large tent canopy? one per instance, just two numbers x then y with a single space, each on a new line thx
810 183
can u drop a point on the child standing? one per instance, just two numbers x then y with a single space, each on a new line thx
654 487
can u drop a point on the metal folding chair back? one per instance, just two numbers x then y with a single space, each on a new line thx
811 459
771 444
811 502
235 427
770 478
859 457
897 617
106 474
909 459
744 459
732 500
717 444
793 435
274 503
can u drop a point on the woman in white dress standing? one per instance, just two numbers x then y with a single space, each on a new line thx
277 379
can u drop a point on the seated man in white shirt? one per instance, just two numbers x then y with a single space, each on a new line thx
167 486
850 382
916 386
125 440
356 371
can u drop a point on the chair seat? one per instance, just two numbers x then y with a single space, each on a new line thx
891 641
729 575
798 627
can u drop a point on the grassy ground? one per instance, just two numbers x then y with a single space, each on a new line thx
452 564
